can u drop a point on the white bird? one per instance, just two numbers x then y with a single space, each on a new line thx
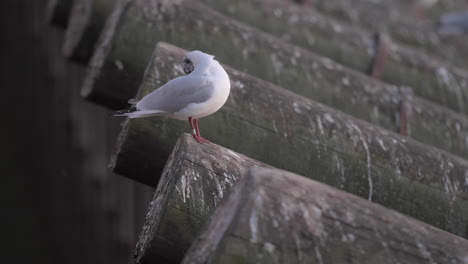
203 91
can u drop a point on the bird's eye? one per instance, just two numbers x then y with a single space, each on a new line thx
187 61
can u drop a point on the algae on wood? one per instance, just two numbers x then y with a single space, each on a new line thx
402 26
291 132
429 123
352 47
273 216
195 180
122 55
118 67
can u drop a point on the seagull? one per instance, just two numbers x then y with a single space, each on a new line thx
201 92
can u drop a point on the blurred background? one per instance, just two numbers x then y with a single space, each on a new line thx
60 203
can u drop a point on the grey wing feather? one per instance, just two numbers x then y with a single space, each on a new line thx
177 94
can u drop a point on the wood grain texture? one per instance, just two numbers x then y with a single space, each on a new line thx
398 19
119 65
263 55
273 216
86 22
354 47
294 133
194 181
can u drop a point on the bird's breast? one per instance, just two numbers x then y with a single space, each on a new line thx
221 88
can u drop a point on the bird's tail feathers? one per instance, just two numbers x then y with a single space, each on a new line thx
138 114
125 111
133 101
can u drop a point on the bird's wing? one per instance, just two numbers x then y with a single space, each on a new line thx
177 94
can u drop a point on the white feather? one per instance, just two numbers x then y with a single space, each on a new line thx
198 94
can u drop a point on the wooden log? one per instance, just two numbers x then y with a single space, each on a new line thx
291 132
195 180
130 40
273 216
116 71
388 11
351 46
429 123
86 23
303 27
393 16
58 12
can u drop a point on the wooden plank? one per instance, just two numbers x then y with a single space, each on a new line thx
195 180
353 47
86 23
123 53
388 11
303 27
398 20
291 132
273 216
116 73
58 12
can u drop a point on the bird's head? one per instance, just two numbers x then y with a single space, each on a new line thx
196 60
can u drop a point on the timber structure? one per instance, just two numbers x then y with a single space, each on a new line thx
374 115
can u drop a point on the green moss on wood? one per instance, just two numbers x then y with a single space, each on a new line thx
299 135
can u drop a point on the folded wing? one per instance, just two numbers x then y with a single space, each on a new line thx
177 94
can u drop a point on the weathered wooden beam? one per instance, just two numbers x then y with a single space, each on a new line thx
294 133
379 103
273 216
121 56
194 181
351 46
126 48
388 11
117 68
393 17
58 12
303 27
86 23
